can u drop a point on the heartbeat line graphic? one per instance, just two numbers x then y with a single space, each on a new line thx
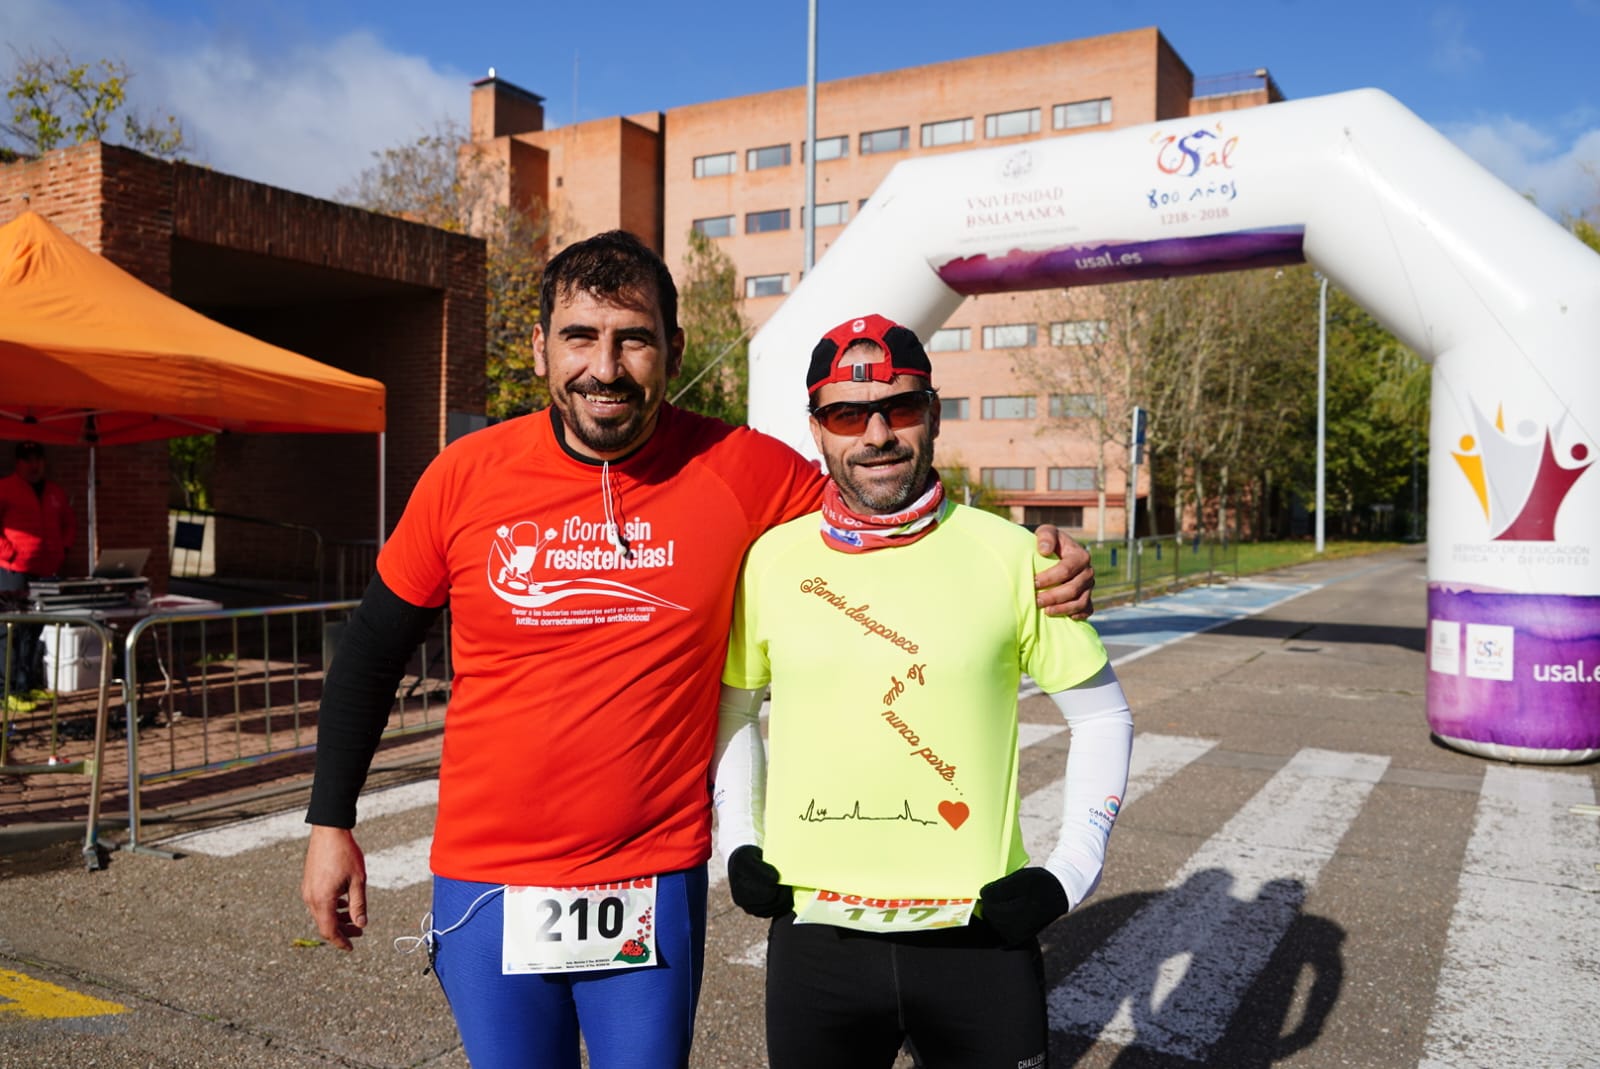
813 815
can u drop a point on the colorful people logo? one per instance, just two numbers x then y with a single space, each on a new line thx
1518 479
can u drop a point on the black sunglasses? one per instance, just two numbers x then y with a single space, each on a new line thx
901 410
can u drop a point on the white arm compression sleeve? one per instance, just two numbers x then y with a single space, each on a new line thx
739 770
1097 770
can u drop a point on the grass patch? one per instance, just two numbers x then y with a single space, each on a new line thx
1165 564
1266 556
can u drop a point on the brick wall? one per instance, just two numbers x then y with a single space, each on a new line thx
63 186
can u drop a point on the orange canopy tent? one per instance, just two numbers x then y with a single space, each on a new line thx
91 355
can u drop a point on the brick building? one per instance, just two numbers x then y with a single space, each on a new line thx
733 169
376 296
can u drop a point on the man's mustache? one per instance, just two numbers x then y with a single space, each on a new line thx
625 388
877 455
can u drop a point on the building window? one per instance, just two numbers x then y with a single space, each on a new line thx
893 140
1082 113
1007 478
1014 407
766 285
1065 479
711 166
954 408
759 159
1011 123
766 222
1068 516
835 214
1078 332
828 148
1073 406
948 132
1010 336
950 340
717 226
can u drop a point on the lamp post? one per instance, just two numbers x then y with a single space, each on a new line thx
1322 410
809 215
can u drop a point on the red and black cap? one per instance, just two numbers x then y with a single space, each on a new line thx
903 353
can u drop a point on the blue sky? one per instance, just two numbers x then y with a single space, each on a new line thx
302 93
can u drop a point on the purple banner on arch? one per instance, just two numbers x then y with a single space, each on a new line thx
1096 263
1515 674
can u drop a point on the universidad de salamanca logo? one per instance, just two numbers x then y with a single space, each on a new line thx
533 565
1520 476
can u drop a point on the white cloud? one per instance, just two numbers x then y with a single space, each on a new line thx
306 115
1452 52
1562 175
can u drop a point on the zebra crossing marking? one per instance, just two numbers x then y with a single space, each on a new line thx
1172 977
1508 992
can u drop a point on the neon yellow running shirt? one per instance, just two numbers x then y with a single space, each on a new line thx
892 766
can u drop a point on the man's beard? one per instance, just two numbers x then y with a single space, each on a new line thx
603 435
880 498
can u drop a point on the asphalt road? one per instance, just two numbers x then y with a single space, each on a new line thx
1299 877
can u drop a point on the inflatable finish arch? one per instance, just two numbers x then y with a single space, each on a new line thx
1461 268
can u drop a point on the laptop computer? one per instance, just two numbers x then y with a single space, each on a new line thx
120 563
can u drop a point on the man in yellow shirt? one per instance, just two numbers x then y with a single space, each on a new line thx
883 837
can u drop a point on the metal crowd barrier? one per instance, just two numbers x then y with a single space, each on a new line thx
1161 564
209 699
64 628
213 692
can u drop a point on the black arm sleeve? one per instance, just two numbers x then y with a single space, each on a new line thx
358 694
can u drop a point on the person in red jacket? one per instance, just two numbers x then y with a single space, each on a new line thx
36 530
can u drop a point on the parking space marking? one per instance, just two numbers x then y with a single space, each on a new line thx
23 996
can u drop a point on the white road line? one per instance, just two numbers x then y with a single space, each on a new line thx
233 839
1033 734
1155 758
1509 993
1172 977
400 866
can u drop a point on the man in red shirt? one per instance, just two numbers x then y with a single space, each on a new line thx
37 526
589 554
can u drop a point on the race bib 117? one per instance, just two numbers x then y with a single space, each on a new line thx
883 914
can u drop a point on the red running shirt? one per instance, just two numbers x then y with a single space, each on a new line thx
583 710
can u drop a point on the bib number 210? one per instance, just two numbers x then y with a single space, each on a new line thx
570 929
607 914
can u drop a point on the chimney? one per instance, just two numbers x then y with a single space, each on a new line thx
500 108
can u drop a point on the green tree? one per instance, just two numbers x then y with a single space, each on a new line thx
716 356
1587 233
442 179
960 486
1226 366
191 461
55 101
1585 226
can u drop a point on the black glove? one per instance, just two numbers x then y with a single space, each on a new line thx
1020 905
755 886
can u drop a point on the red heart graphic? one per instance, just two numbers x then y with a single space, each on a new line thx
954 813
